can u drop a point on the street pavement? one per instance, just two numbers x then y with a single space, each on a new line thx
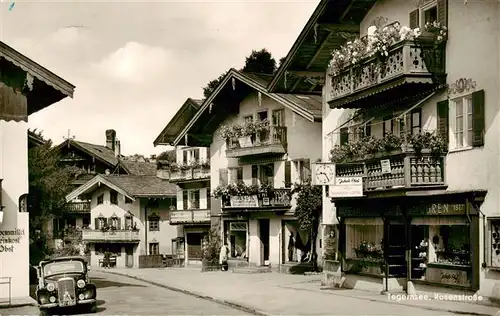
119 295
285 294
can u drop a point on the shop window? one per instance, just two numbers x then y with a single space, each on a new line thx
154 248
364 239
494 225
235 234
100 199
154 223
441 250
113 197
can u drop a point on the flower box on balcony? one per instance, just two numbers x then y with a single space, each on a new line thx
244 201
200 172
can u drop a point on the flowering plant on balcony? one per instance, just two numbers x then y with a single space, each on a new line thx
376 44
173 167
370 145
221 192
266 190
185 167
440 31
242 130
205 164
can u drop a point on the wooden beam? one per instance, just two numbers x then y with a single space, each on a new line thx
307 74
347 10
318 51
299 79
344 27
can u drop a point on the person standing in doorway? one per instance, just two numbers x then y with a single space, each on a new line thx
224 256
291 247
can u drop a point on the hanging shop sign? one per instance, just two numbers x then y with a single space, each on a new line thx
346 187
244 201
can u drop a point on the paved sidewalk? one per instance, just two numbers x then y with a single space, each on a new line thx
285 294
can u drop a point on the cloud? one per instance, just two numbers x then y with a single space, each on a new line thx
134 63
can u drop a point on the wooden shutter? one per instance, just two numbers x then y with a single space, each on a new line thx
118 223
105 220
222 176
414 19
184 157
197 154
418 123
478 125
255 174
442 12
96 223
185 198
368 129
344 136
288 174
443 120
208 153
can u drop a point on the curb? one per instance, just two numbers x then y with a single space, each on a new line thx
435 309
18 305
234 305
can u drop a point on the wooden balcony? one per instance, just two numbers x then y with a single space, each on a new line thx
271 141
190 175
111 236
78 207
408 171
190 217
411 69
281 199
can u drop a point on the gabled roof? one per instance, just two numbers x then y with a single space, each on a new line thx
178 121
46 87
101 153
332 23
130 186
139 168
34 139
311 110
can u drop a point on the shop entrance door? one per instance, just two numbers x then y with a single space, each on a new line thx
129 259
264 226
396 256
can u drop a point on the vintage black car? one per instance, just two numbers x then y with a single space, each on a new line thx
64 282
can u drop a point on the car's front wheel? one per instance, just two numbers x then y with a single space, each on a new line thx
93 308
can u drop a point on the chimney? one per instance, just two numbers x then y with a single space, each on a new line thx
110 138
117 148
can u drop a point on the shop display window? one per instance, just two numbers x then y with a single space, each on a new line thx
494 253
364 242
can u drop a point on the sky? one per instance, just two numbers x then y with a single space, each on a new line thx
135 63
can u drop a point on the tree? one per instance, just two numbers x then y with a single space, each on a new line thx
207 91
257 62
282 60
49 182
308 212
260 62
166 158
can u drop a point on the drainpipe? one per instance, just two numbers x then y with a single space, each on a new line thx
146 228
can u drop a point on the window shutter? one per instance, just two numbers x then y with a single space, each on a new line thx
105 220
478 125
184 157
344 136
222 176
288 174
414 17
443 120
419 122
442 12
368 129
96 223
208 154
197 154
119 223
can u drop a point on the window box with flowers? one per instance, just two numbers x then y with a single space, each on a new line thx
201 169
378 58
242 195
244 135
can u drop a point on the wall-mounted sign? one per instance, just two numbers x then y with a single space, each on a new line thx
386 166
437 209
323 173
346 187
9 238
447 276
244 201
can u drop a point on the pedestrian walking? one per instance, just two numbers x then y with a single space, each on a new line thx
224 256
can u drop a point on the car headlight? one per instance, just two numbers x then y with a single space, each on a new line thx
50 287
52 299
80 283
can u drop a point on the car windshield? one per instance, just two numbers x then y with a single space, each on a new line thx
63 267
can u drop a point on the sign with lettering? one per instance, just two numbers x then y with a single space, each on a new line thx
437 209
9 238
447 276
245 142
244 201
386 166
346 187
181 216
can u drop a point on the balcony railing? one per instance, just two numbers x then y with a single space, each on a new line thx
78 207
407 170
189 216
273 140
281 199
190 174
92 235
407 60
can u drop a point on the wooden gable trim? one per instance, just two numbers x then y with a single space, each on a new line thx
97 180
237 75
